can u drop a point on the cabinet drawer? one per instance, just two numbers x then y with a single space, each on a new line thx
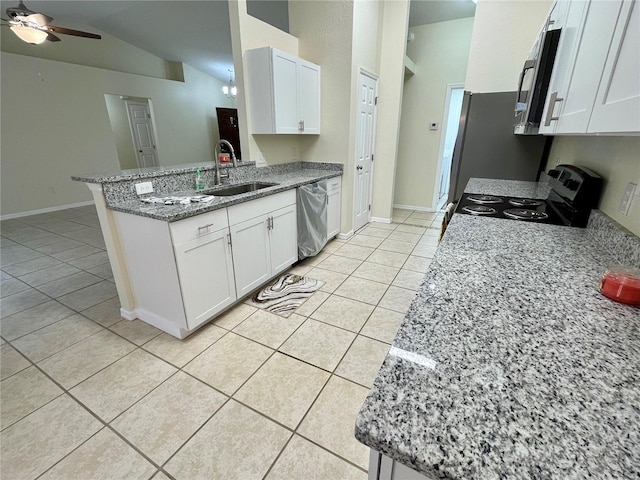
334 184
198 226
260 206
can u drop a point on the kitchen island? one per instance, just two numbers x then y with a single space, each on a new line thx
510 363
177 266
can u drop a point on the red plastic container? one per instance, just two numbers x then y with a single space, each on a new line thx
621 284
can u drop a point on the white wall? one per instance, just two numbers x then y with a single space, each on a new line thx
616 159
440 52
393 46
55 124
247 33
109 52
503 33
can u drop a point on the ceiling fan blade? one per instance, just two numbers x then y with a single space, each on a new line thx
39 18
52 38
68 31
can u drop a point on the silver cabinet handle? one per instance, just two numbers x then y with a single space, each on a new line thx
552 104
300 126
204 227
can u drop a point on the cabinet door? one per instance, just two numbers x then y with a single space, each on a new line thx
596 36
283 239
617 106
333 214
251 258
569 17
205 270
309 97
285 92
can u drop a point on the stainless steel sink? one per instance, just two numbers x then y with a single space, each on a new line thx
227 191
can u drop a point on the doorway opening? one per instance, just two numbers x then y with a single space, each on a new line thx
450 122
134 131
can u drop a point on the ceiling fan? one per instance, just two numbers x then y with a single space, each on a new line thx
34 28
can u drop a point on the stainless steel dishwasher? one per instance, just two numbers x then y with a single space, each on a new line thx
312 218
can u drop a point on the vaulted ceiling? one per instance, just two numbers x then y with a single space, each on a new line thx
196 32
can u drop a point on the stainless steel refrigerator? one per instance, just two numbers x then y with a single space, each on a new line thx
486 146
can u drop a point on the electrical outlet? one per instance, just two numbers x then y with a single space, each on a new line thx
144 187
627 197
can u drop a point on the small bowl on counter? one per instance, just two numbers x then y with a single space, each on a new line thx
621 284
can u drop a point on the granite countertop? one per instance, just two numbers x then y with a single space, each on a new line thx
507 188
119 188
510 363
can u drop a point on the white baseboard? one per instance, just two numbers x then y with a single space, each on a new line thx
160 322
414 207
345 236
11 216
380 219
127 315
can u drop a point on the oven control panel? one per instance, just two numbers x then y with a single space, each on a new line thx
576 184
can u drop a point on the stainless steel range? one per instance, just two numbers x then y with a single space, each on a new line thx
574 192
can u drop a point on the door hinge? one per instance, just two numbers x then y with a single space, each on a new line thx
229 240
369 207
375 102
149 116
372 158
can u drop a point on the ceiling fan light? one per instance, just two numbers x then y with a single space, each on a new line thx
29 35
225 89
234 91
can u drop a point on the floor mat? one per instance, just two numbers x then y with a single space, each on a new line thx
286 294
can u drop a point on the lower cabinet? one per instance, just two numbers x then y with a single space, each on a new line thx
263 245
184 273
205 269
333 206
181 273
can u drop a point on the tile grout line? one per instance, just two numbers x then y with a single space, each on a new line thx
141 347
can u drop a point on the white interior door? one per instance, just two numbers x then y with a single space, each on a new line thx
449 135
365 137
142 132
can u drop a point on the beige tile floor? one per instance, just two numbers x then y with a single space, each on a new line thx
87 395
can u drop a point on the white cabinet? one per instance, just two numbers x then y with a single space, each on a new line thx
205 270
567 15
617 105
284 93
595 86
264 239
181 273
333 206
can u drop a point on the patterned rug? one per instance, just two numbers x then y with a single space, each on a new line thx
285 295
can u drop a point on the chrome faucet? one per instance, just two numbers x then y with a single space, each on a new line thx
216 160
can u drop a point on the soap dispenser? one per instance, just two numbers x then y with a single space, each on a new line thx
199 180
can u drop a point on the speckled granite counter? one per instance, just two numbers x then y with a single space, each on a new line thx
120 195
510 364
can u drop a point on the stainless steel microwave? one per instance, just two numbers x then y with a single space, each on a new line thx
534 82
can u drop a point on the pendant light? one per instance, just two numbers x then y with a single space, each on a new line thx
230 90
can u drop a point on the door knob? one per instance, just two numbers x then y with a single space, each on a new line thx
359 167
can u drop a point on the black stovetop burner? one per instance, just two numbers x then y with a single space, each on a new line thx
573 192
525 209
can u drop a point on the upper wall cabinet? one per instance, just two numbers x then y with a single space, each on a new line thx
595 85
284 93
